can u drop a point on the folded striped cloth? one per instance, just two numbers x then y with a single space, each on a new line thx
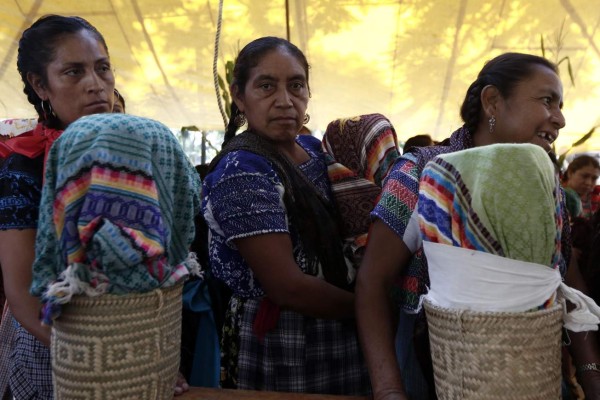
117 210
502 200
361 150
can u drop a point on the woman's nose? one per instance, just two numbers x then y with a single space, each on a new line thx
558 119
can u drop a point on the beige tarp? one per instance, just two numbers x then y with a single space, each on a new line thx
411 60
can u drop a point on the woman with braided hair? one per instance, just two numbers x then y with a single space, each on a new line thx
66 73
274 239
516 98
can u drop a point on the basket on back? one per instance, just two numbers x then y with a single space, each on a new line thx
117 214
490 220
495 356
118 347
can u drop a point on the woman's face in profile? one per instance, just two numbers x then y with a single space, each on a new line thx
79 80
276 96
532 112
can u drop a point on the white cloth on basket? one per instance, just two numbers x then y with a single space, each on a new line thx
473 280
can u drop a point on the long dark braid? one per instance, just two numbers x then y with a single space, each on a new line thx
232 126
470 110
315 218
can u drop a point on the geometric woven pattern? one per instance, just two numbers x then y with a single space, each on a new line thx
122 347
495 356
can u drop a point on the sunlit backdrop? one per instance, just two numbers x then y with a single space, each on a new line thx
411 60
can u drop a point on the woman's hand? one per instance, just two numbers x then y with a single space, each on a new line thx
181 385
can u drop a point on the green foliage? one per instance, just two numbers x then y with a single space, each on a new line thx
558 42
579 142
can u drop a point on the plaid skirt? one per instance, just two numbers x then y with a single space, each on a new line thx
7 339
30 371
301 354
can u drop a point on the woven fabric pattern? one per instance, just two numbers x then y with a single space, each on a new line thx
495 356
118 346
121 196
243 197
472 198
303 354
361 152
20 191
397 203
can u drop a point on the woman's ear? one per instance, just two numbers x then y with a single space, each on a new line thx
490 97
37 83
237 97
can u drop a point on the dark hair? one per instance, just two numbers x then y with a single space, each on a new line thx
119 97
248 58
417 141
580 162
37 48
503 72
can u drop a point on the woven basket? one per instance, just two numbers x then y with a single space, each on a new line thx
494 356
118 347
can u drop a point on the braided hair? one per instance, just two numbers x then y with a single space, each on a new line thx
248 58
503 72
37 49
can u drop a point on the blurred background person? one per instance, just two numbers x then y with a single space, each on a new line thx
581 176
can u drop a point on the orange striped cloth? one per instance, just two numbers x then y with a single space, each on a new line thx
361 151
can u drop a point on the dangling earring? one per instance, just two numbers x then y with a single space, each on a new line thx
306 119
240 119
47 110
492 123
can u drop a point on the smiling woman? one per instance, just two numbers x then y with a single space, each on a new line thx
65 68
516 98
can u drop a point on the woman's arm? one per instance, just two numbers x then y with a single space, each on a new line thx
385 258
270 256
584 345
16 258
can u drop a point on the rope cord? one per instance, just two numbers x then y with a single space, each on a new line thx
215 58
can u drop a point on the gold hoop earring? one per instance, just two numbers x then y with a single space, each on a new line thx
306 119
492 123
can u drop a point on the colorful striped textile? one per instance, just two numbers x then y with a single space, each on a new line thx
502 199
117 210
396 205
361 150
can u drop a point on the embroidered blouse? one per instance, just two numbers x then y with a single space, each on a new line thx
243 197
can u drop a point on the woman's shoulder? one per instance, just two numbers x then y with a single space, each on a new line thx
239 163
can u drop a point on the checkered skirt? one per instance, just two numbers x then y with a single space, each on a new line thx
31 372
301 354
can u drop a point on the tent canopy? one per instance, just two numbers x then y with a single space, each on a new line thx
411 60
